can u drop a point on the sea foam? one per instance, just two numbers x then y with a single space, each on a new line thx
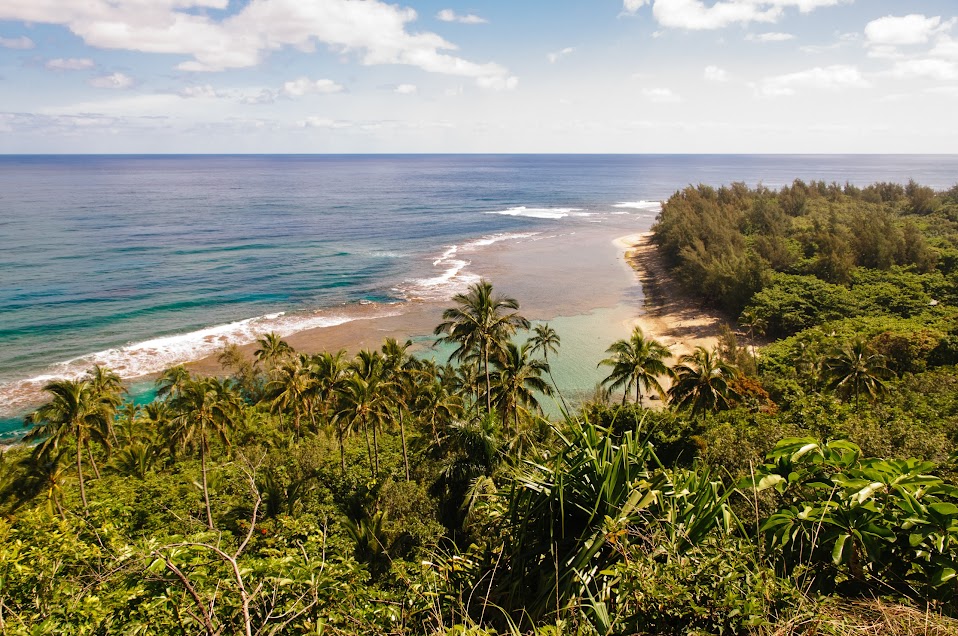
541 213
157 354
654 206
454 279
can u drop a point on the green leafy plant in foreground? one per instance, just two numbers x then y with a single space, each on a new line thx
861 524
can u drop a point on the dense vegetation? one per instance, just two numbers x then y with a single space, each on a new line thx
807 487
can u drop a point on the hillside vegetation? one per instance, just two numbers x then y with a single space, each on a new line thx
800 479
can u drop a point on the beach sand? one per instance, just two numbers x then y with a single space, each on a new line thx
668 314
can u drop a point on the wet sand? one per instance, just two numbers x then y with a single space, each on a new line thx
668 314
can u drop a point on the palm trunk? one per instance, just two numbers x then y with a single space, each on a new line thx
80 471
402 434
206 492
376 446
369 449
56 500
342 450
554 385
488 384
96 469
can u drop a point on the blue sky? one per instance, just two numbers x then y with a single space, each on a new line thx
673 76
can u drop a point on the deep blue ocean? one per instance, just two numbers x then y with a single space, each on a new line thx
151 260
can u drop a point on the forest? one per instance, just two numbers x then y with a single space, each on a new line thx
801 478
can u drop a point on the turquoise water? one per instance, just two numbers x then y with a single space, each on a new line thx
140 262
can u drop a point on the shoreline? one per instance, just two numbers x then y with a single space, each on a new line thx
535 268
644 295
667 314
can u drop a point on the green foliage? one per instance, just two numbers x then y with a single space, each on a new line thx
861 522
809 253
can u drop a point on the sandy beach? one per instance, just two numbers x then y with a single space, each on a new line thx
668 315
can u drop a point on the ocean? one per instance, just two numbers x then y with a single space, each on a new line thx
141 262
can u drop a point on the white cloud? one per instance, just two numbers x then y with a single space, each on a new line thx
448 15
406 89
70 64
374 31
293 89
114 80
716 74
940 70
769 37
950 91
946 48
498 83
632 6
558 55
885 52
305 86
903 30
834 77
204 91
21 43
661 95
696 15
324 122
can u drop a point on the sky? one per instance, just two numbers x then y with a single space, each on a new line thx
499 76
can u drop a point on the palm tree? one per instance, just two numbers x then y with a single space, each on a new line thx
272 349
206 407
108 391
362 402
397 369
703 382
546 340
480 322
73 412
854 369
329 375
290 388
637 362
171 383
436 406
515 382
755 325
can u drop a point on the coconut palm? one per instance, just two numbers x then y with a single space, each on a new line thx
206 408
638 362
754 324
480 322
290 387
853 369
398 375
329 375
39 474
74 412
703 382
108 391
362 402
517 379
435 405
545 339
271 349
171 383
